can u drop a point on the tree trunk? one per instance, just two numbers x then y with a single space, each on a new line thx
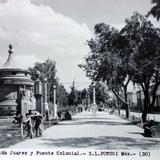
119 108
145 107
144 114
127 111
126 105
124 101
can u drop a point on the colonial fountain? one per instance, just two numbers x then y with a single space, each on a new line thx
16 88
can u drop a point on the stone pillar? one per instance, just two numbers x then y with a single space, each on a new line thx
38 94
23 105
89 105
94 94
45 104
54 102
94 105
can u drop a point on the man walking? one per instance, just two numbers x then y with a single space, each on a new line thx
38 125
29 126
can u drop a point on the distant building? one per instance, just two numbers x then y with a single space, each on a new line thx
136 100
132 99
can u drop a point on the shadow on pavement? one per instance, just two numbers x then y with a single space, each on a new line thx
96 118
103 143
92 122
136 133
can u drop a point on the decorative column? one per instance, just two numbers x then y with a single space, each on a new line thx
45 104
38 94
94 94
23 109
88 98
94 105
54 102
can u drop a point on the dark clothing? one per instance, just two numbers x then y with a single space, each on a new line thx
29 127
38 125
67 115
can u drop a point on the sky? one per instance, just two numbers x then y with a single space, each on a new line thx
59 29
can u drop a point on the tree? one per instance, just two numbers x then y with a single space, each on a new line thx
48 70
84 96
62 96
73 96
155 10
144 40
109 61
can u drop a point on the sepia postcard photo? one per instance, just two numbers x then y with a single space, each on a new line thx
80 79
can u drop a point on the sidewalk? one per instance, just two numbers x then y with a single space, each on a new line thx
85 131
155 117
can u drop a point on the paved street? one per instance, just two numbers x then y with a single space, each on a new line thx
85 131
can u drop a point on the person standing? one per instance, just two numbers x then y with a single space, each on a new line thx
38 125
29 126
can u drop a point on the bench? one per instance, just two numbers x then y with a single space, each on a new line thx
152 129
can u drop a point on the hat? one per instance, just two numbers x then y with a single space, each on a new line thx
27 114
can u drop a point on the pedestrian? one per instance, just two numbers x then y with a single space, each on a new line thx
29 126
18 119
38 125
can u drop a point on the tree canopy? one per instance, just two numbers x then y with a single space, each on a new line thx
155 10
131 54
109 60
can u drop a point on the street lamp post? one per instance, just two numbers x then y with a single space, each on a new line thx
54 102
94 94
94 105
45 104
88 99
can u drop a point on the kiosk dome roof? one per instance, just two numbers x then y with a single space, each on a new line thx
11 61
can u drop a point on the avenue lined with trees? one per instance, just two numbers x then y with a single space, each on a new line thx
106 114
116 59
131 54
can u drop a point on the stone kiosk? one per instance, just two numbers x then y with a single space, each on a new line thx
16 88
